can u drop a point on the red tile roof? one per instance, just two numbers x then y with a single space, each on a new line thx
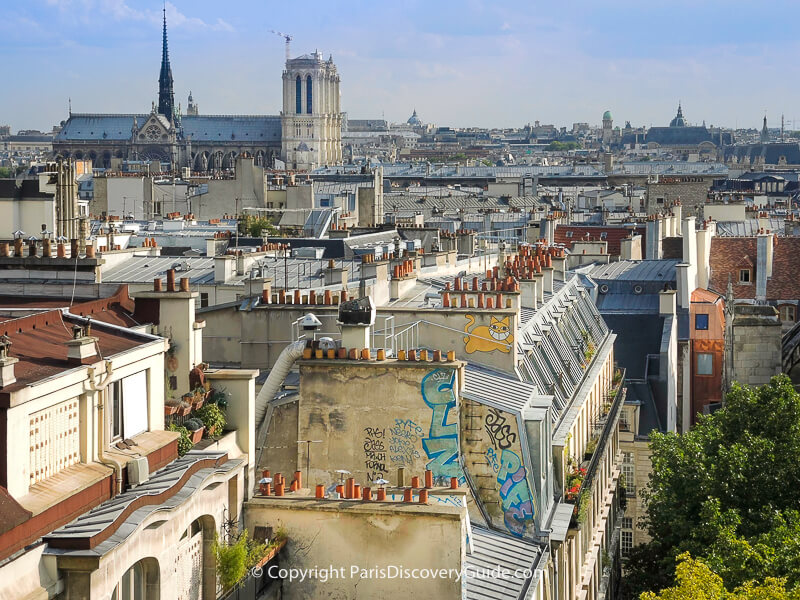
730 254
614 235
39 342
117 309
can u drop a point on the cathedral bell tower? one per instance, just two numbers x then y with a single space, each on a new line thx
166 98
311 120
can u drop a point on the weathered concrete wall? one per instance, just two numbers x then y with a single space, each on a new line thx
353 536
374 417
490 444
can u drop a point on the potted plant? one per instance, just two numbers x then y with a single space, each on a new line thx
212 417
199 398
195 428
184 442
170 410
590 448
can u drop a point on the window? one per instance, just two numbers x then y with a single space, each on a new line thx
744 275
308 94
659 200
298 95
788 313
627 522
628 473
203 299
705 364
127 400
624 422
115 404
701 321
603 235
569 234
626 542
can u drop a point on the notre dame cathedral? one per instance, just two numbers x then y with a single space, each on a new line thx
307 134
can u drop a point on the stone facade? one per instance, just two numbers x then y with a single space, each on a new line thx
311 120
691 191
756 344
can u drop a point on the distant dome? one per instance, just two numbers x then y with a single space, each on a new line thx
607 115
414 119
678 121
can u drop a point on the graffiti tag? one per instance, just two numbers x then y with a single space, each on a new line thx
515 495
491 459
375 452
441 443
402 445
500 432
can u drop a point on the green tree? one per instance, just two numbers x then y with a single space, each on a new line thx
695 580
727 492
556 146
253 226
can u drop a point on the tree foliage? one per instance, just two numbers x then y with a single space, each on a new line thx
696 581
726 492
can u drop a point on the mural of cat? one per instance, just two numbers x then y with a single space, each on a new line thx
487 338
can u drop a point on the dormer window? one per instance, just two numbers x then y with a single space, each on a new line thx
744 276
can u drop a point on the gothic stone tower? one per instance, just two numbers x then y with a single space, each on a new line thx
166 98
311 120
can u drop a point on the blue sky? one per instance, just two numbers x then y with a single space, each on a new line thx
459 63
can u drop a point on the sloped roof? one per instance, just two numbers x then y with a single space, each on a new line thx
40 343
729 254
490 550
614 235
201 128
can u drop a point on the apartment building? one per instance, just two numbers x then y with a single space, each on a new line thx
97 501
502 390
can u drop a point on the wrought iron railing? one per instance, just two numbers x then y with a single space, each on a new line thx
610 423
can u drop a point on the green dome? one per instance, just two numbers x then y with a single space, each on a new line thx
607 115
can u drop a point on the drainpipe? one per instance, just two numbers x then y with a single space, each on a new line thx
102 389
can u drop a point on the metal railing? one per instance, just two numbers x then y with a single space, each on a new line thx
610 424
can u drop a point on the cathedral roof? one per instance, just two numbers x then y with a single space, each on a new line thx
607 115
221 128
414 119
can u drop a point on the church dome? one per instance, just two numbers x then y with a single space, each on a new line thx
414 119
678 121
607 115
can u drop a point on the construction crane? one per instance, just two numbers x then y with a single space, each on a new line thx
288 39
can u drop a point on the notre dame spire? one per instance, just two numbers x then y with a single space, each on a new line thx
166 99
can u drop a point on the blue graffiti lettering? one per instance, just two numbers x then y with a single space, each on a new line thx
491 458
515 495
441 444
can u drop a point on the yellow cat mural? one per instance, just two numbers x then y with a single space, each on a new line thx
486 338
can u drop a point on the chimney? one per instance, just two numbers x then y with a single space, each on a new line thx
560 266
654 248
548 279
82 345
7 362
666 303
765 246
356 318
528 296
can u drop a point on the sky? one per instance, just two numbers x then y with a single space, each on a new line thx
459 63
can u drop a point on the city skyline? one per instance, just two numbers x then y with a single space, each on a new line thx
513 64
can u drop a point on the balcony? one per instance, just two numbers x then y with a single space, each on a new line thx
603 428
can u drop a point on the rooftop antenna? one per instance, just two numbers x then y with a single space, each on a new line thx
70 106
288 39
782 129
